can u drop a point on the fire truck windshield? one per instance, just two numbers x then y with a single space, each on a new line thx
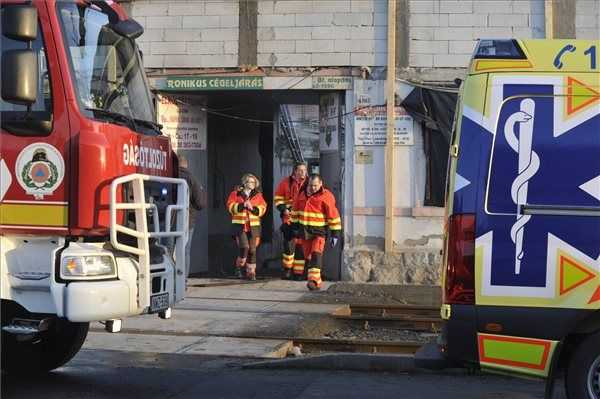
106 68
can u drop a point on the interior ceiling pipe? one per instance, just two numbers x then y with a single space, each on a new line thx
391 122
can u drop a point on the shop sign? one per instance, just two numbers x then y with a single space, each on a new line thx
370 126
184 120
332 82
189 83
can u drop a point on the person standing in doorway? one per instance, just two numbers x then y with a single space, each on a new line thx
246 206
196 204
292 258
315 214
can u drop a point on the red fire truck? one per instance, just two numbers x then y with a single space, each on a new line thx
88 194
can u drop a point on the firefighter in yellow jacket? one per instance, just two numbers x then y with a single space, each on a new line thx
247 206
292 258
314 215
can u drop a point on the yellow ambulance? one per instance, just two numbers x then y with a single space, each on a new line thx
522 246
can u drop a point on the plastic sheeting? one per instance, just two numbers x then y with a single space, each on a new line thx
434 109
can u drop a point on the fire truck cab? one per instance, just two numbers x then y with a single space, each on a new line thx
93 221
522 256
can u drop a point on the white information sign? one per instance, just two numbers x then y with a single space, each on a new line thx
183 120
370 127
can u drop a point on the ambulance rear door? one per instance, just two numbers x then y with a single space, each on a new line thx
538 229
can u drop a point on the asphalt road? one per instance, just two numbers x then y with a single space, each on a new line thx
114 374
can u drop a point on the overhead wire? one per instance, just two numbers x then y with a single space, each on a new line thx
241 118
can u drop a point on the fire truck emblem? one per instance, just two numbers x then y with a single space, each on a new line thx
40 169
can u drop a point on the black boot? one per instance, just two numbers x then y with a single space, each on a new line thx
287 274
238 273
312 285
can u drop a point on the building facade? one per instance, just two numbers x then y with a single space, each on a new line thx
273 81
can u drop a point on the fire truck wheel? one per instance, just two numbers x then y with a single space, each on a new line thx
49 350
583 373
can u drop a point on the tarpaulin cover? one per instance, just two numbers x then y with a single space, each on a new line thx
434 109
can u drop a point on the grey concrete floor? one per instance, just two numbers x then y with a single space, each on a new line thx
96 374
177 358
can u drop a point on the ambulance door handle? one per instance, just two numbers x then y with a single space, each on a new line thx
560 210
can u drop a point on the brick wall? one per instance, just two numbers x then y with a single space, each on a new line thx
195 34
204 33
322 32
300 33
443 32
587 19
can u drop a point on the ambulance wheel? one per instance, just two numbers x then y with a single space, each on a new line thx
583 373
44 352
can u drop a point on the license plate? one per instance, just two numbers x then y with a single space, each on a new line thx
159 302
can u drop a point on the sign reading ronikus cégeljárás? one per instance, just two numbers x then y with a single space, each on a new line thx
183 120
185 83
370 127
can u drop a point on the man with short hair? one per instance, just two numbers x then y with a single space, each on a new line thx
292 258
196 204
315 214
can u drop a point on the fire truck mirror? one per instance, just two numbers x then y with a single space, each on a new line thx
20 22
129 28
20 76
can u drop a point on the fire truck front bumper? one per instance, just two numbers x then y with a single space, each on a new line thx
96 300
118 297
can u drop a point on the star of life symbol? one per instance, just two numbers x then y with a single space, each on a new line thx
529 164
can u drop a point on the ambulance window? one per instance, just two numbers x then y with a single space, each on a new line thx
540 159
43 104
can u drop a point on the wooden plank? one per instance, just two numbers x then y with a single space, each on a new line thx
391 122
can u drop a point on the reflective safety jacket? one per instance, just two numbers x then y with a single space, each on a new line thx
316 213
242 216
286 192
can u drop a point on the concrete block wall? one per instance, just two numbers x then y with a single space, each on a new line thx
194 34
443 33
322 32
587 19
301 33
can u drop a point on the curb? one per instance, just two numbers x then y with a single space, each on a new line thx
365 362
342 361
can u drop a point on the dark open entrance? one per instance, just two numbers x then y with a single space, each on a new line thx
240 140
244 136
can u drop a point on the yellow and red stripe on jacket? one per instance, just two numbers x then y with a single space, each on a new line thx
287 190
317 212
244 216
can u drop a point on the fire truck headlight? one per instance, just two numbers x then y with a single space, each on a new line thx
87 267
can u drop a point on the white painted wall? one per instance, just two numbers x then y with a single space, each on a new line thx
365 187
188 34
322 32
443 32
587 19
305 33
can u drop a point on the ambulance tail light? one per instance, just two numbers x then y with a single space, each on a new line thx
460 265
